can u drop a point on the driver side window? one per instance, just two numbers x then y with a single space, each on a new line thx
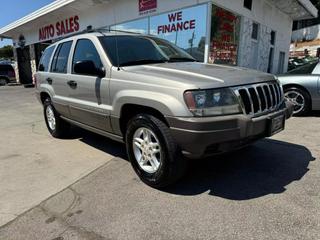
86 51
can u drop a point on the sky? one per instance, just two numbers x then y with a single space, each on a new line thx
15 9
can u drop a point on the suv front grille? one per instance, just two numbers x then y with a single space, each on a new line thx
261 98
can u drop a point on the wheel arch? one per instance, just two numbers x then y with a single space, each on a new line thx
44 95
129 110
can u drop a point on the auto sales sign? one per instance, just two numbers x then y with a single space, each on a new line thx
60 28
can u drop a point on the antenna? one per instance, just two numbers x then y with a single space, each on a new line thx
116 37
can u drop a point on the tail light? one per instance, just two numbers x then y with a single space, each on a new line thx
11 74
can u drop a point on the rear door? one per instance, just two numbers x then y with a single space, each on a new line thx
57 78
89 94
44 64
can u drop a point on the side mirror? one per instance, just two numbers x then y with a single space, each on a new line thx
88 68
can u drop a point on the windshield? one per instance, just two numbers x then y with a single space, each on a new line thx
305 69
137 50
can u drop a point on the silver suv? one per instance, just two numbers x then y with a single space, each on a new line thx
153 96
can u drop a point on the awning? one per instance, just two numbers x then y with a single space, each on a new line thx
61 9
297 9
57 10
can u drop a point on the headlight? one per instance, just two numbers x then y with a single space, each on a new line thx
212 102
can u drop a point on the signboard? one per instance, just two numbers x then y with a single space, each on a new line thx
176 23
186 28
225 37
147 6
60 28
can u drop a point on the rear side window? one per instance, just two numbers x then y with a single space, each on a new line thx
305 69
60 60
86 51
6 68
45 60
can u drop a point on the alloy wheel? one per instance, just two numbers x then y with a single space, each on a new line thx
147 150
297 99
51 118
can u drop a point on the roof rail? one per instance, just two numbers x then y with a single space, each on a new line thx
89 29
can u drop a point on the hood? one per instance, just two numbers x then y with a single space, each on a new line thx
201 75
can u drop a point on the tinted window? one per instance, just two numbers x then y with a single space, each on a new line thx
247 4
45 60
142 50
60 61
86 51
255 31
6 68
131 50
273 37
305 69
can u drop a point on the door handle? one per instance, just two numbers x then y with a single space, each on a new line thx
49 80
72 84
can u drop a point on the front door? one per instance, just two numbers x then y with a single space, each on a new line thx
88 93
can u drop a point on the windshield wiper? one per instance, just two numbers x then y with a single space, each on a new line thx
181 59
141 62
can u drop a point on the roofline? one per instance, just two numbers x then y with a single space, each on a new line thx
61 3
34 15
309 7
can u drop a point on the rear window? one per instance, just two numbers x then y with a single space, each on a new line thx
45 60
305 69
6 68
60 60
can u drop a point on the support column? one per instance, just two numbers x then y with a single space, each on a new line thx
33 59
16 68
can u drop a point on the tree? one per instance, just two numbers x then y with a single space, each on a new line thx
6 52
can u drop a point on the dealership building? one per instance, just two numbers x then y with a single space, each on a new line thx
248 33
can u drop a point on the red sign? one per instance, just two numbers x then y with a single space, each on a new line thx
146 5
61 28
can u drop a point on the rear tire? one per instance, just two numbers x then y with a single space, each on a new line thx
3 82
301 100
159 169
57 127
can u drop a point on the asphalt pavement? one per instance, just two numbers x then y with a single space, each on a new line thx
269 190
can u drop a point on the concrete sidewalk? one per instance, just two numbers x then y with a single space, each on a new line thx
33 165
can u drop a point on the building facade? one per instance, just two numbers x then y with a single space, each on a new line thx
247 33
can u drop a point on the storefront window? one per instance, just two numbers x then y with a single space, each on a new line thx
137 26
186 28
224 42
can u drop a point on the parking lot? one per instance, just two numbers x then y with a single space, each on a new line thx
85 188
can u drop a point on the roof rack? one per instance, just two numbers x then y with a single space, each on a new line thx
89 29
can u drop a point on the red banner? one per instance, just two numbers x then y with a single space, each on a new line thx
146 5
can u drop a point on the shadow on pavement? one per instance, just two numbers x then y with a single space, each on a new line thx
99 142
264 168
261 169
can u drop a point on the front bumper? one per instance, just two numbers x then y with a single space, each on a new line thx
199 137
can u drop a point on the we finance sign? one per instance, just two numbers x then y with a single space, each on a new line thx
177 23
60 28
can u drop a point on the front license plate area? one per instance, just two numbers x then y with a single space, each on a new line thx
276 125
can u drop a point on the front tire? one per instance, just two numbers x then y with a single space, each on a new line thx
57 127
300 99
153 153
